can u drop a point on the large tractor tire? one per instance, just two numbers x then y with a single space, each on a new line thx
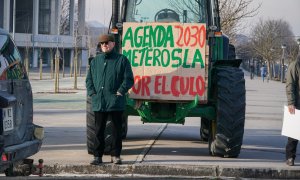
90 126
204 129
90 129
227 131
124 125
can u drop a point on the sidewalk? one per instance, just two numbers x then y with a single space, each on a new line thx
64 148
63 117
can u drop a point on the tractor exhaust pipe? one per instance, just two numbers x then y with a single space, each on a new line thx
114 21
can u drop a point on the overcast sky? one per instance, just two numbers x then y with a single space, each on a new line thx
289 10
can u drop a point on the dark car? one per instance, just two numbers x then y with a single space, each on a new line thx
19 137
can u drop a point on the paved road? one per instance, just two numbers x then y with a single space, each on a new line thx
263 145
177 147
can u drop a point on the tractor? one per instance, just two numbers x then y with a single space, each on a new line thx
184 66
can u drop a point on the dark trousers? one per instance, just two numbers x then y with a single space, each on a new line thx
100 124
291 148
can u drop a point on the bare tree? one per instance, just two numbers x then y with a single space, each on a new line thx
26 59
232 12
292 47
65 27
245 51
63 59
41 63
65 17
75 59
56 66
268 36
51 63
77 40
27 47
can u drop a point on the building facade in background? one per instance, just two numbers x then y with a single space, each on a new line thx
36 28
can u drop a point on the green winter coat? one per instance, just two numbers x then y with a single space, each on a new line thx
107 75
293 83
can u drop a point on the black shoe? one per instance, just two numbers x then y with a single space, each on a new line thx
290 162
116 160
96 161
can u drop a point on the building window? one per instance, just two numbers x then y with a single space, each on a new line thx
24 15
44 16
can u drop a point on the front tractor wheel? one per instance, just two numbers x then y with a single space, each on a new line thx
90 129
227 131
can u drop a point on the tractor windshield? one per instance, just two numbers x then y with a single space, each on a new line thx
185 11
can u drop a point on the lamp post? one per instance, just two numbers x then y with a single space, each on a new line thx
283 47
272 68
298 42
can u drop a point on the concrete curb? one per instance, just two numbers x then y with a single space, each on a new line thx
261 173
175 170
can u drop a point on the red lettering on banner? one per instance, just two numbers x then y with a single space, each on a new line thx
184 87
187 36
200 85
164 84
174 81
145 85
191 86
192 92
137 85
191 36
202 36
180 36
195 36
157 84
141 85
187 86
